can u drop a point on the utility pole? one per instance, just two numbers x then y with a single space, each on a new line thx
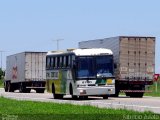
58 40
1 57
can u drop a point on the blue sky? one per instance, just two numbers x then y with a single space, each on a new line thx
32 25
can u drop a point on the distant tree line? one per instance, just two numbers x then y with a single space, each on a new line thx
2 73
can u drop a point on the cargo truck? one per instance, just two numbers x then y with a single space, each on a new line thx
134 59
25 71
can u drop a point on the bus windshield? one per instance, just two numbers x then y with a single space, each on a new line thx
94 66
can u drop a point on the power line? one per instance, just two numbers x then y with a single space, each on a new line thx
58 40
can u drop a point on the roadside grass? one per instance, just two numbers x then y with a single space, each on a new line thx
1 83
153 89
24 110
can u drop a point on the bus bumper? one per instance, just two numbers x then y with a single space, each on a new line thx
85 91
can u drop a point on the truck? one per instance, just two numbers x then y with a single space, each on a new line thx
134 62
25 71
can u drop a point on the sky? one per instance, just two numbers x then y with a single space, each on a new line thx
34 25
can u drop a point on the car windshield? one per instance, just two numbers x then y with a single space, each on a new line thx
94 66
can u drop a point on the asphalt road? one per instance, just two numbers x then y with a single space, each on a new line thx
138 104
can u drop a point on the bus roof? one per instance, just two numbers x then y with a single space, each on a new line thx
84 52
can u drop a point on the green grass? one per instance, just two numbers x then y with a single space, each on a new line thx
1 83
24 110
153 89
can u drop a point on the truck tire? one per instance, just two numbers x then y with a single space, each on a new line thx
6 86
10 87
28 90
22 88
83 97
40 90
127 93
137 94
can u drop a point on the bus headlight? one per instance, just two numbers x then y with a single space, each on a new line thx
82 92
110 81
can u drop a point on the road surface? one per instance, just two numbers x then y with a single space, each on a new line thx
138 104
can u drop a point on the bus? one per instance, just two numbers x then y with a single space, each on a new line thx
80 73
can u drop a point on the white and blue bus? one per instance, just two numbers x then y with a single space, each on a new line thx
80 73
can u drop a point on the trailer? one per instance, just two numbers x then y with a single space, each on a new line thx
25 71
134 59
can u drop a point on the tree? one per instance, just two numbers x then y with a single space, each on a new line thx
1 73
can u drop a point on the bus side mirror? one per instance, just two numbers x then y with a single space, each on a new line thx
74 65
115 66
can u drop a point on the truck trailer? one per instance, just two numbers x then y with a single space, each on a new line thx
25 71
134 59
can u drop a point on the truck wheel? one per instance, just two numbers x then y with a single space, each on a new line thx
127 93
40 90
83 97
10 87
6 86
22 88
27 90
137 95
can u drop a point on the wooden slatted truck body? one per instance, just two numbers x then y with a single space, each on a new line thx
134 59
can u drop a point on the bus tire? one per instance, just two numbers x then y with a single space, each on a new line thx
56 96
71 89
53 91
105 96
71 92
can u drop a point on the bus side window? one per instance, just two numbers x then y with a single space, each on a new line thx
66 61
55 62
48 62
69 61
58 62
52 62
62 62
73 60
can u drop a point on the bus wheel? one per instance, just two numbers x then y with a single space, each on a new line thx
71 93
53 91
56 96
105 96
